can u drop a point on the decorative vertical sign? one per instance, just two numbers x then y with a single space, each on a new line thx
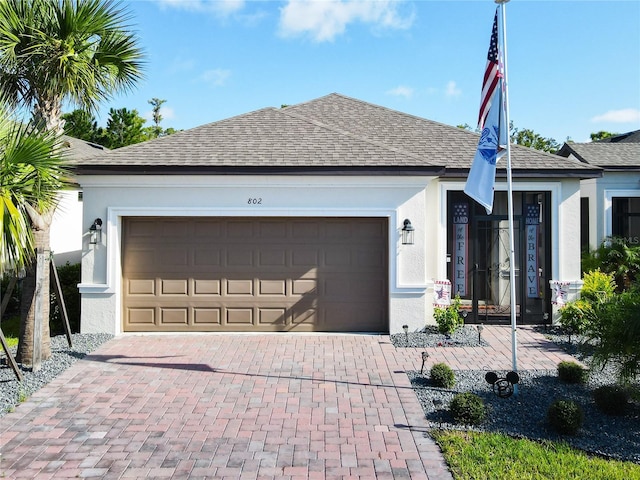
560 292
532 221
460 247
442 293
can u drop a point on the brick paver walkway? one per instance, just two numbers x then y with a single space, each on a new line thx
242 407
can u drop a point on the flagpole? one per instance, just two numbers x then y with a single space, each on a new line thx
512 257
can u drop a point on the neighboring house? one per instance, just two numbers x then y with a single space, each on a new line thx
610 204
66 227
291 220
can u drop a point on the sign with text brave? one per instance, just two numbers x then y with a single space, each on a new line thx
460 247
532 221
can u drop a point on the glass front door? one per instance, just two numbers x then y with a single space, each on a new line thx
480 260
491 297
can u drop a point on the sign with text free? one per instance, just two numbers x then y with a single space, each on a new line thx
460 247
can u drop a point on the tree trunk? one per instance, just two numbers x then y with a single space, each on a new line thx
41 232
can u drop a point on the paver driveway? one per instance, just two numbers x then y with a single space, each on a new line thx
237 406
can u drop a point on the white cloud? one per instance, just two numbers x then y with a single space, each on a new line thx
626 115
323 20
167 113
218 7
452 90
401 91
216 77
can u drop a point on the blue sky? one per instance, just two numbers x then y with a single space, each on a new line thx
573 66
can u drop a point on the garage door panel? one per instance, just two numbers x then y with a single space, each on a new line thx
206 287
242 230
305 315
239 316
173 230
273 231
304 286
273 274
206 256
305 257
143 229
370 258
168 257
174 287
337 257
272 287
239 257
174 316
305 229
370 229
141 316
141 286
271 257
239 287
141 260
207 316
272 316
206 230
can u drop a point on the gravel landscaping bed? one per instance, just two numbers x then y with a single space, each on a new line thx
62 357
524 415
465 336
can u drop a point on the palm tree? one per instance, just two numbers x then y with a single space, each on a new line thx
55 51
32 172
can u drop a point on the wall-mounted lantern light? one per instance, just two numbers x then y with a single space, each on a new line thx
95 232
407 232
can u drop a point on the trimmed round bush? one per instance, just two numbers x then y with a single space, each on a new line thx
565 416
467 408
612 399
572 372
442 375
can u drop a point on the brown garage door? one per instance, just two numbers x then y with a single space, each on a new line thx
238 274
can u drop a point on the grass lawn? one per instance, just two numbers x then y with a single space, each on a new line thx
475 455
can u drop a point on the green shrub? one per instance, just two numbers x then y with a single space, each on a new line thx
442 375
572 372
448 318
617 257
574 316
597 286
565 416
616 329
612 399
467 408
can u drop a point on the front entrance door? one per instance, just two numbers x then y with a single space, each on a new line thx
491 286
479 257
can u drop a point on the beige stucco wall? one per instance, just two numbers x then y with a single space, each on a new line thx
396 198
412 268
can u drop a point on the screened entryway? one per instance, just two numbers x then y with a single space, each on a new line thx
479 259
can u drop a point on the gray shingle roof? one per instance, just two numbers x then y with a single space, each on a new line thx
76 149
333 131
618 156
629 137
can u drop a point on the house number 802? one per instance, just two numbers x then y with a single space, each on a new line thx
254 201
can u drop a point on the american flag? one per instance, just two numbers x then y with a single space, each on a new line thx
492 75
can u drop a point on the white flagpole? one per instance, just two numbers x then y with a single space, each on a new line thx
512 257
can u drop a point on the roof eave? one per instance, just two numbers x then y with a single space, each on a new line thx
258 170
530 173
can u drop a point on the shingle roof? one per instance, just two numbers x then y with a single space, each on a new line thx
77 149
618 156
629 137
331 132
